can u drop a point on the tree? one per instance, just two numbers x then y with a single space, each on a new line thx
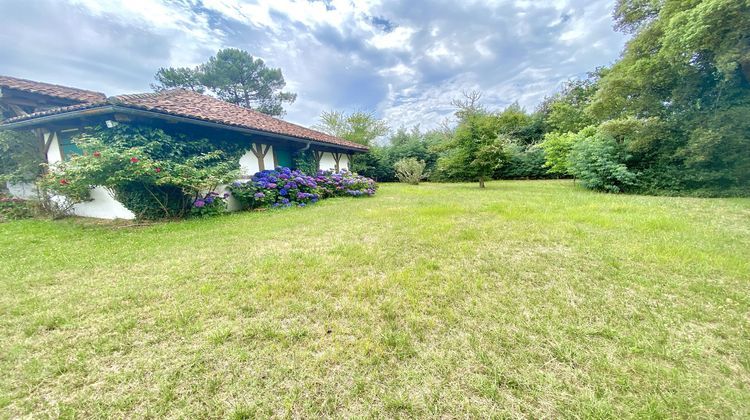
180 77
566 111
234 76
476 149
359 127
682 78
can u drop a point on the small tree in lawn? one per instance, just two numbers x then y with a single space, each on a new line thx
410 170
476 149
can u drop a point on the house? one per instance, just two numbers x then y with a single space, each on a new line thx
57 113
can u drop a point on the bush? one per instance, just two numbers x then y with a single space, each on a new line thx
15 208
345 184
410 170
210 204
557 148
151 202
281 187
599 162
153 188
524 162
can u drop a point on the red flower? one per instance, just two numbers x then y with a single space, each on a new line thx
97 154
157 170
134 160
63 182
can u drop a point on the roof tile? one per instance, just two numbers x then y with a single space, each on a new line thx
188 104
57 91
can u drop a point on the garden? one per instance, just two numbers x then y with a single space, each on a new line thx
525 299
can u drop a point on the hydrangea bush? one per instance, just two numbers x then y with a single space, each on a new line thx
284 187
345 183
210 204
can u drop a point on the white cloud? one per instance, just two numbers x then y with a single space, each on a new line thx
398 39
404 60
191 31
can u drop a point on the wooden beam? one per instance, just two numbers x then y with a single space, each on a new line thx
47 143
17 110
260 153
336 158
318 156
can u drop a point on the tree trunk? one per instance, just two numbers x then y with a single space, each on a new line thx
481 182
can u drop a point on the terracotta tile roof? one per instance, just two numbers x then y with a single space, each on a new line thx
57 91
188 104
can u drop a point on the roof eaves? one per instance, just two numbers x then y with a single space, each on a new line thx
117 106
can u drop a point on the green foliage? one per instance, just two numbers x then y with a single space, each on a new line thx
557 148
15 208
379 162
599 162
305 162
21 156
567 110
180 77
151 202
410 170
524 162
235 76
146 169
679 95
359 127
476 150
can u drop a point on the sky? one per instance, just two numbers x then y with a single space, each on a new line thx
403 60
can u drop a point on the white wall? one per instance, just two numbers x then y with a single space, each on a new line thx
102 206
53 154
328 163
249 163
344 162
25 190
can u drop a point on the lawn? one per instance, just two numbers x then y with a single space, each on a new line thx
527 299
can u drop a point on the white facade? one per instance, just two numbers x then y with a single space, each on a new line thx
328 162
25 190
54 153
102 206
249 164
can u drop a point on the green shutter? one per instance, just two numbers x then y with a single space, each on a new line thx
283 157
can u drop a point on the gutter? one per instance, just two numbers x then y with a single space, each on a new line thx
107 109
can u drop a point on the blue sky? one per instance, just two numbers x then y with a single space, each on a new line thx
404 60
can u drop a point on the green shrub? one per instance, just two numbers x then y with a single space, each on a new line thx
15 208
556 148
150 202
305 162
524 162
599 162
153 188
410 170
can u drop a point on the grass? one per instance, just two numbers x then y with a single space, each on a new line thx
527 299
